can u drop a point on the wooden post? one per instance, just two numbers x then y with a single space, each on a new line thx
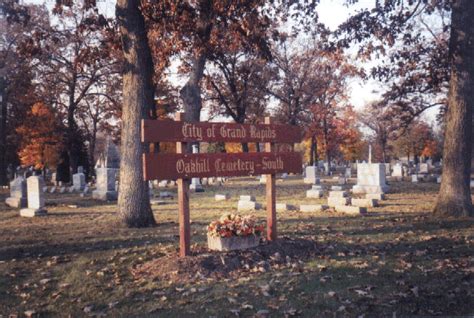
270 195
183 204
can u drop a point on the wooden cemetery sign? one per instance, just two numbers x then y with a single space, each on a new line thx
183 166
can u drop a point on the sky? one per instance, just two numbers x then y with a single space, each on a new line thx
332 13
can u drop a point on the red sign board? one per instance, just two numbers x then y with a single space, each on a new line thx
167 130
176 166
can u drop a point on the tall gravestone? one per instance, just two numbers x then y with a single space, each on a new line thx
370 177
34 188
79 179
311 175
106 172
17 197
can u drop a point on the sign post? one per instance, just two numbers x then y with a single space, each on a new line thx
183 203
270 195
183 166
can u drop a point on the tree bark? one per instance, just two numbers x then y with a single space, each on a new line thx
138 95
191 92
454 198
313 151
3 133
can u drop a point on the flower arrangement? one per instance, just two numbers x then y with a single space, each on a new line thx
234 225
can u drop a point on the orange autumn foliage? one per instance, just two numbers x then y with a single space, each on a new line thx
235 147
41 140
430 148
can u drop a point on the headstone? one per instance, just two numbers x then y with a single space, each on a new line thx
284 175
327 170
71 189
438 180
53 178
247 206
106 171
338 194
263 179
196 185
370 178
397 170
423 169
316 192
414 178
281 207
222 197
62 189
338 197
311 175
53 189
387 169
247 198
348 172
78 181
18 194
247 203
35 197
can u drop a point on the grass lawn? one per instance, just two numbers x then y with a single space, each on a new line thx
396 261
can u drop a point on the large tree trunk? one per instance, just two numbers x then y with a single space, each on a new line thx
3 133
191 92
138 95
313 151
454 198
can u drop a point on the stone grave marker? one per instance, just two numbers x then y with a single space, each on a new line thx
106 170
316 192
35 196
397 170
311 175
18 194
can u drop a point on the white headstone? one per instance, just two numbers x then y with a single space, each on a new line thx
397 170
36 204
424 168
18 197
348 172
370 178
311 175
78 181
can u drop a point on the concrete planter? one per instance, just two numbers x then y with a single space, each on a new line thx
232 243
